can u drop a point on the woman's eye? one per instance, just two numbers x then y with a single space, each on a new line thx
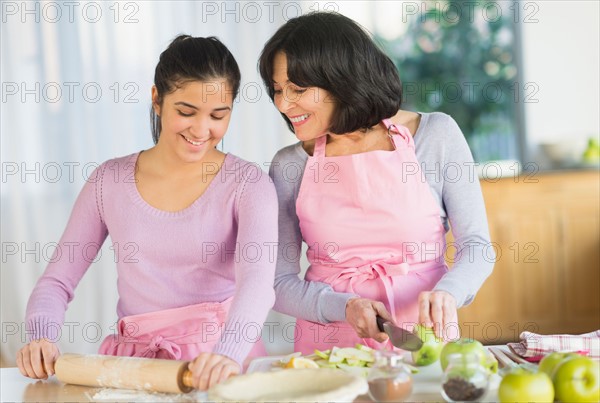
277 91
300 90
217 117
184 114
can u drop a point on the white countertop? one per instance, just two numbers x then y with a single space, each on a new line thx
14 387
17 388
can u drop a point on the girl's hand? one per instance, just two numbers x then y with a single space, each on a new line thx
208 369
361 313
36 360
437 309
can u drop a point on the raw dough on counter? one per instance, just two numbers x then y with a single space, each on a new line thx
126 395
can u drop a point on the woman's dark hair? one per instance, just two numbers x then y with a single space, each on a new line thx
330 51
192 59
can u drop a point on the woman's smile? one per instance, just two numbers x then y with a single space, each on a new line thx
195 143
299 119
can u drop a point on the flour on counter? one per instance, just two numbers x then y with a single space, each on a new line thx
125 395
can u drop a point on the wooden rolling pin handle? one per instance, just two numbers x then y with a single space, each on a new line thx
156 375
187 380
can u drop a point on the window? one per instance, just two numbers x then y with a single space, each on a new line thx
461 58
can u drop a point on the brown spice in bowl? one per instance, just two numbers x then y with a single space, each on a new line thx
390 390
459 390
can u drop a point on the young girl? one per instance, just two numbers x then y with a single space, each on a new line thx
190 214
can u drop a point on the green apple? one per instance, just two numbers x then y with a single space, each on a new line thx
521 385
577 379
490 362
550 361
592 152
461 346
323 354
466 346
431 348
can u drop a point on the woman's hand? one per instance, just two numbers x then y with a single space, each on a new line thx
437 309
208 369
361 315
36 360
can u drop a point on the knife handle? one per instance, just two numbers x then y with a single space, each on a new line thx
380 322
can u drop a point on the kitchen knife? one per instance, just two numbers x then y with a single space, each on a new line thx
399 337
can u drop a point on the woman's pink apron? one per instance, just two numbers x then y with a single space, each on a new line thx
176 334
373 229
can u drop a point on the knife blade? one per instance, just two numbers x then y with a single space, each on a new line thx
399 337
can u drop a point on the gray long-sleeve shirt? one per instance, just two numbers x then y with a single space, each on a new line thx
448 166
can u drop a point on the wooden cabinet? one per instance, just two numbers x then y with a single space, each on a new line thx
546 231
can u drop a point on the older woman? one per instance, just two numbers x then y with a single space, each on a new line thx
376 195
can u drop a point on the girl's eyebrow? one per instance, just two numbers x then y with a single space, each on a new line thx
223 108
186 104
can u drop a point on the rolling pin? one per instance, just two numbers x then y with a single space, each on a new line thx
148 374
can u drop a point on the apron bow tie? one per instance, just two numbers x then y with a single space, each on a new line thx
373 270
158 343
394 269
382 270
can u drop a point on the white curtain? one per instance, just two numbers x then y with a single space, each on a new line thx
76 81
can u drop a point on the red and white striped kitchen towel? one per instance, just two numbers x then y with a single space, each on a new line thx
534 346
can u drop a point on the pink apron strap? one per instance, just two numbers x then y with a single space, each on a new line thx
404 133
320 143
387 123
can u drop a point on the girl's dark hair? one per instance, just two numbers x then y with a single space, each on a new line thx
192 59
330 51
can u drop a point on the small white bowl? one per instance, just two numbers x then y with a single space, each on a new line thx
564 153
